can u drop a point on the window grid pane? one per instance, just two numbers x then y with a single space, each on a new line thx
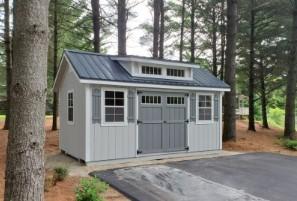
172 100
205 107
114 106
70 106
151 70
151 99
175 72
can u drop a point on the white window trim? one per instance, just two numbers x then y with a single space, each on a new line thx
164 73
177 103
103 122
150 103
197 109
68 92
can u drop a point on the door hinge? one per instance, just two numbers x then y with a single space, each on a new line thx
187 148
139 151
187 94
139 92
187 121
139 122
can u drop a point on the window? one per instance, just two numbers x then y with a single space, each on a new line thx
175 72
70 106
175 100
151 70
151 99
205 108
114 106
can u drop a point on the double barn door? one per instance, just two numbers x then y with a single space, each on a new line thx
162 122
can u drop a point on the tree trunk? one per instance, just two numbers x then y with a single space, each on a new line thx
122 27
24 179
193 28
96 24
156 28
214 43
223 39
162 21
182 26
55 62
263 96
292 80
229 131
7 41
251 126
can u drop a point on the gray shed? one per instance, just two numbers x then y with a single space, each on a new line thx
118 107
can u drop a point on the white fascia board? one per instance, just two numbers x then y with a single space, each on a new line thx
64 57
156 62
58 73
156 86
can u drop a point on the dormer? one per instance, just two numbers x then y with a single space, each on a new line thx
156 68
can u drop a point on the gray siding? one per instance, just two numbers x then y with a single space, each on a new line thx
118 142
72 137
112 142
204 137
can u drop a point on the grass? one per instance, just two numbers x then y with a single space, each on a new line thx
2 117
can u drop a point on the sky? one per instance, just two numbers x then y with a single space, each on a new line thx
143 14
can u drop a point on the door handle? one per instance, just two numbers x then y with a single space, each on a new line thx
164 122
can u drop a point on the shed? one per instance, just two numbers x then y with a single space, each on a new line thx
119 107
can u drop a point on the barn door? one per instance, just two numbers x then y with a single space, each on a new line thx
162 122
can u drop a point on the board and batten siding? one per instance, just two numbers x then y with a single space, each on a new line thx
111 142
205 137
72 136
119 142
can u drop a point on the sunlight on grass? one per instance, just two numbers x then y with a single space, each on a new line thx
2 117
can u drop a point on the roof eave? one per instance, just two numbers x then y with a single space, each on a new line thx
156 86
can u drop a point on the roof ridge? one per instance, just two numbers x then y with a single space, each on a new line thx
87 52
135 56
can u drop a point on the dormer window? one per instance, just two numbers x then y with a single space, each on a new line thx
149 70
175 72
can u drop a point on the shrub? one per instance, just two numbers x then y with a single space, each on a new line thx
90 190
60 173
290 144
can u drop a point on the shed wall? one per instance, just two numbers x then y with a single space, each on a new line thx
111 142
118 142
72 137
204 137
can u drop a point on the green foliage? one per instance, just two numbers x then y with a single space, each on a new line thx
290 144
276 117
60 173
90 190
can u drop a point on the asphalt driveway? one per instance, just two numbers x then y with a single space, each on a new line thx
246 177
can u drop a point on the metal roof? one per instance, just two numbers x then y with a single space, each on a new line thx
94 66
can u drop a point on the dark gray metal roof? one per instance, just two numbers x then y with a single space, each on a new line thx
94 66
